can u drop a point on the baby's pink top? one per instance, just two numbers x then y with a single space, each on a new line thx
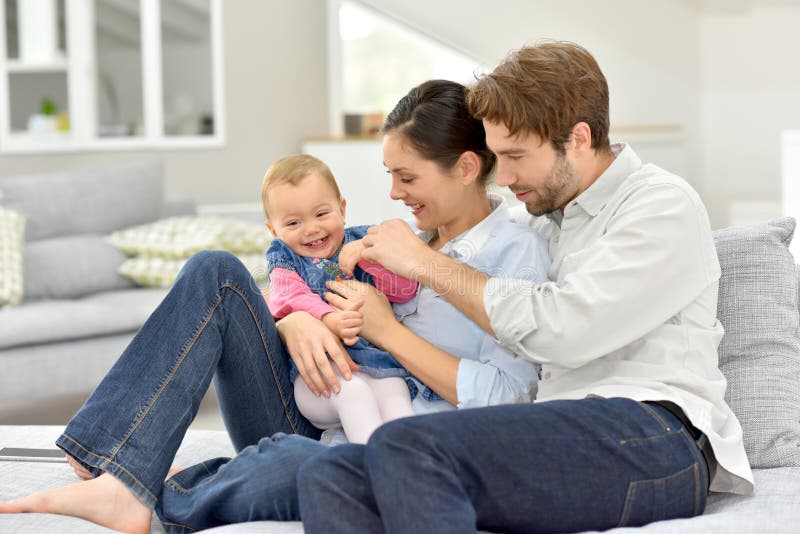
288 292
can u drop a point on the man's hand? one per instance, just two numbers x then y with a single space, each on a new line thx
310 343
345 324
395 246
374 306
350 255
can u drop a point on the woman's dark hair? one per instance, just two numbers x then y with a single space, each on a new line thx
435 120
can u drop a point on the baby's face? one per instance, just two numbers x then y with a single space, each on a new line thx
308 217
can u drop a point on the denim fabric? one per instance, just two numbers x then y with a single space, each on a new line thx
259 484
558 466
214 323
316 272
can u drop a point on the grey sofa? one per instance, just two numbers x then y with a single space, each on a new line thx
77 313
760 357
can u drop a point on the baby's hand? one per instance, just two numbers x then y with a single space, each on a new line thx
350 255
345 324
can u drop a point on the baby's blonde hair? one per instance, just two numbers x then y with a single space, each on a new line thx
291 170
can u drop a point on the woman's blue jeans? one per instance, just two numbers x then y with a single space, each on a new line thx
213 324
560 466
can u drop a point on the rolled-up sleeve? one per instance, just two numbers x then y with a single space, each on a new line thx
510 308
498 378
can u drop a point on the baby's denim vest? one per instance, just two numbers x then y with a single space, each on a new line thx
316 272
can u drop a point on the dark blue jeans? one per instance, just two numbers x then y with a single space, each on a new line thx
560 466
213 324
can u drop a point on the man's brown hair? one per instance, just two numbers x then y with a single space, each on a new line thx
291 170
546 89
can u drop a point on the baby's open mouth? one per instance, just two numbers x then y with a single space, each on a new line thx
318 243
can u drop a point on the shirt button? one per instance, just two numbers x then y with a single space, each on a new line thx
547 375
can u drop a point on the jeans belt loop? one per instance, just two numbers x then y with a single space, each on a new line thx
700 439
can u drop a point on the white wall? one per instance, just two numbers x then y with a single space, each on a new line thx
724 70
647 50
276 95
751 92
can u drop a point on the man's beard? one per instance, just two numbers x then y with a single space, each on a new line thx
552 195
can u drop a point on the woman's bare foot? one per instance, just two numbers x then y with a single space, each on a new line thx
79 469
104 500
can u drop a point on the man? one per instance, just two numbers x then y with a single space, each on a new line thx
630 425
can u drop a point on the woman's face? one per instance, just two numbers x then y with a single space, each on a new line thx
435 197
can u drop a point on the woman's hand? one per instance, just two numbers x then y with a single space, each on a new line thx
310 343
395 246
377 312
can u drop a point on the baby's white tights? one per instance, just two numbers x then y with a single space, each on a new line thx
363 404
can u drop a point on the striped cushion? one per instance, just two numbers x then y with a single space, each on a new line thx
12 235
180 237
155 271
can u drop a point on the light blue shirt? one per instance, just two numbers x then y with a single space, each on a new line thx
488 374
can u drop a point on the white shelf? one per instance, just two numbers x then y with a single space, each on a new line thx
15 66
65 143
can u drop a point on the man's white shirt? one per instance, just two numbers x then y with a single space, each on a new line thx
631 309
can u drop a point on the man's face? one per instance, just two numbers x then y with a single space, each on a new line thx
534 171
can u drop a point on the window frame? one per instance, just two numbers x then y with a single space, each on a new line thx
81 70
335 61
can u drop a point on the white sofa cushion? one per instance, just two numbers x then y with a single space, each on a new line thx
775 508
155 271
180 237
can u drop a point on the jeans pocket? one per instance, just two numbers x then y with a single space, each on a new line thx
657 499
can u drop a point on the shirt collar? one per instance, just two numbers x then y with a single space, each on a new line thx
597 195
465 245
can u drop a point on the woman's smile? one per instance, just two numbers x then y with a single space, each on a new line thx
416 208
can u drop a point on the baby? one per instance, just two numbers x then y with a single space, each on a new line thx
305 213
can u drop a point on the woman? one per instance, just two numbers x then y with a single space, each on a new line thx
214 324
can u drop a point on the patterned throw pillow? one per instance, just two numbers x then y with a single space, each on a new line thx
760 351
154 271
180 237
12 235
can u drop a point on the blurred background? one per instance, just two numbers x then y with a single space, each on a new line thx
708 87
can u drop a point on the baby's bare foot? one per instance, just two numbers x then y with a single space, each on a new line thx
104 500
